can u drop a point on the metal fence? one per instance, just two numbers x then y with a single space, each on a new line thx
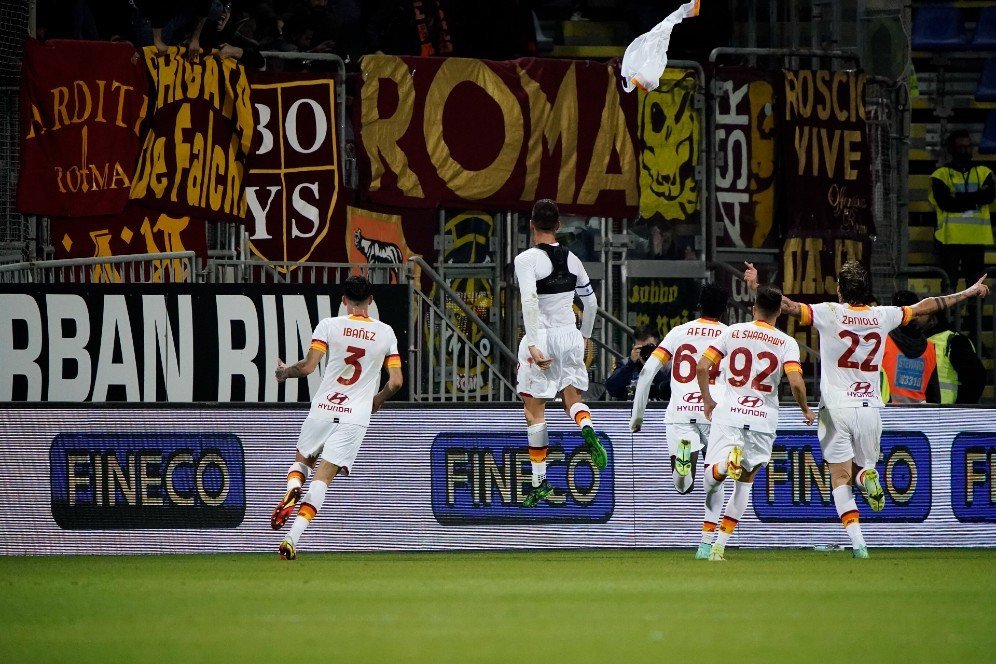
176 267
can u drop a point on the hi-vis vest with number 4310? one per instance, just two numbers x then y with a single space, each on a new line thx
971 226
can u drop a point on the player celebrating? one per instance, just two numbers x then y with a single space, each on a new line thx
551 354
358 347
852 336
746 418
687 430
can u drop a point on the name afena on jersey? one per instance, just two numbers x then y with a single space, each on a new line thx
359 333
759 335
708 331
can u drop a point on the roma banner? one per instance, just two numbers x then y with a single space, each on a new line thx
136 230
294 180
376 238
79 127
467 133
670 140
192 160
827 164
661 303
745 138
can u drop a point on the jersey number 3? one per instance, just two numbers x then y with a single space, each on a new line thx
353 355
845 361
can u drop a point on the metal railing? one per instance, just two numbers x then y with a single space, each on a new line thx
227 271
172 267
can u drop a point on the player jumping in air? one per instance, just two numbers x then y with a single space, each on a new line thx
687 430
746 418
852 343
357 348
551 355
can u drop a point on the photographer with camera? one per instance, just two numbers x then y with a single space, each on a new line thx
622 383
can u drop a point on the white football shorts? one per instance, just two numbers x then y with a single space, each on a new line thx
756 445
566 346
847 433
697 433
337 443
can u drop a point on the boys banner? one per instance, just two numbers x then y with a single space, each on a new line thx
293 182
745 157
192 160
453 131
81 106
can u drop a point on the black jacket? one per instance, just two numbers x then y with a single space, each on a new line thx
617 384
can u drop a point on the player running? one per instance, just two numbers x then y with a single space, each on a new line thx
686 428
358 347
746 418
551 354
852 335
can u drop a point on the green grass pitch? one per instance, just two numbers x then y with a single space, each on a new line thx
537 606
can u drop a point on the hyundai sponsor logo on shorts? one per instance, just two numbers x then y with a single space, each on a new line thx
795 486
484 477
973 476
147 480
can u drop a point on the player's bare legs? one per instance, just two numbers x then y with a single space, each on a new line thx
735 509
579 412
297 475
535 412
841 475
310 504
713 479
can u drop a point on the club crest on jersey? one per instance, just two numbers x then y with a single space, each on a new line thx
860 388
750 402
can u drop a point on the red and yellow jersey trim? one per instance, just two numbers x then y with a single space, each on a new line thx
805 314
366 319
319 345
708 321
767 326
793 367
661 355
392 361
713 354
856 307
907 315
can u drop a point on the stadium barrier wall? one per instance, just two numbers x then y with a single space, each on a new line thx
204 478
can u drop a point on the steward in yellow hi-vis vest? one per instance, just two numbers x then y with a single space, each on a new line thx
961 192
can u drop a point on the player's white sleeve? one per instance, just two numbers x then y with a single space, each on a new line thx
525 274
589 302
650 369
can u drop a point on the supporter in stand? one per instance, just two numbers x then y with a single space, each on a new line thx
622 382
223 34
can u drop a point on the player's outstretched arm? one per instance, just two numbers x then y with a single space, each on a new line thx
931 305
790 307
394 382
299 369
702 370
798 386
650 369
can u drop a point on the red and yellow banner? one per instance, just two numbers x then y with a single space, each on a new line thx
192 160
81 107
453 131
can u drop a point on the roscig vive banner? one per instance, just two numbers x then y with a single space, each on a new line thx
178 343
204 478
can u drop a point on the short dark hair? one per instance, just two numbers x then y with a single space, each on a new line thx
546 215
712 301
904 298
644 332
854 285
768 300
356 289
956 135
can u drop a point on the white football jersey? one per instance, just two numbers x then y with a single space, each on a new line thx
683 346
852 343
357 348
756 354
556 309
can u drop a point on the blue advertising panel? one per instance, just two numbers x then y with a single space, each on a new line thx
795 486
973 476
484 477
105 481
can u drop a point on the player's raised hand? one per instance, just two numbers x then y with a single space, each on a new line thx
281 372
979 289
808 415
750 276
541 360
